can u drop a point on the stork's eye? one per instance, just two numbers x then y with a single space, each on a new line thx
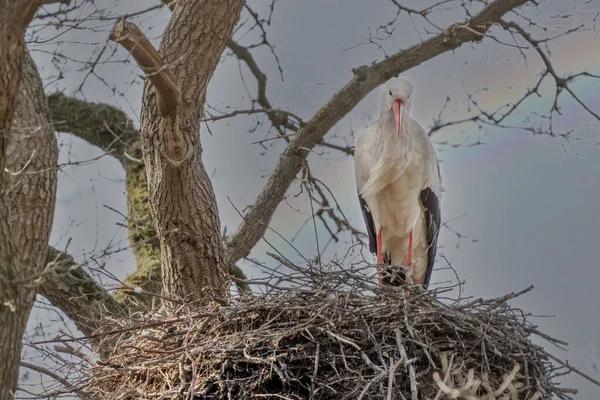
390 92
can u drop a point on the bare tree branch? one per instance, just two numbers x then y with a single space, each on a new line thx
278 119
560 82
79 392
70 288
101 125
366 78
285 120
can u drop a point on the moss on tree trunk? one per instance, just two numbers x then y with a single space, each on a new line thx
143 239
109 128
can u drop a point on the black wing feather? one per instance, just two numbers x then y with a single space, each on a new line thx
370 224
431 205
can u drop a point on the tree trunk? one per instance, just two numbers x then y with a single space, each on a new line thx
14 18
28 193
182 201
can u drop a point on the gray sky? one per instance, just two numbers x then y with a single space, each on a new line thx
529 201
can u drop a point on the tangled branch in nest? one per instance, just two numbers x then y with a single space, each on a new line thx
469 385
338 337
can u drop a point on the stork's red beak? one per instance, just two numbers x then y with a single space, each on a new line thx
397 108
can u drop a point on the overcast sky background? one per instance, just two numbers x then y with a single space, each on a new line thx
530 202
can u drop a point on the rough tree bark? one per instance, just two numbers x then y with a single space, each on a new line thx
181 196
14 18
28 191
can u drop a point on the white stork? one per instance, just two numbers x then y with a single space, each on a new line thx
399 187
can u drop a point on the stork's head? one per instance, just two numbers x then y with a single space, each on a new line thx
396 97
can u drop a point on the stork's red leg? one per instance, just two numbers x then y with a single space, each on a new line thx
409 256
379 250
379 256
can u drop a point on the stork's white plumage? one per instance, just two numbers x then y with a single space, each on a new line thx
399 186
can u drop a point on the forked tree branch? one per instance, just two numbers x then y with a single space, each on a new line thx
278 119
175 147
365 79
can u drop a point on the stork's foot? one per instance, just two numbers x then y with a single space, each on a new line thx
386 274
393 275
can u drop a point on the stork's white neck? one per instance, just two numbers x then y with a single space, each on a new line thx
388 140
392 154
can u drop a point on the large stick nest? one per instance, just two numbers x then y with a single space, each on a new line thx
339 337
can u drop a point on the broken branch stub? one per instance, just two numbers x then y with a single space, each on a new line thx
128 35
176 148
